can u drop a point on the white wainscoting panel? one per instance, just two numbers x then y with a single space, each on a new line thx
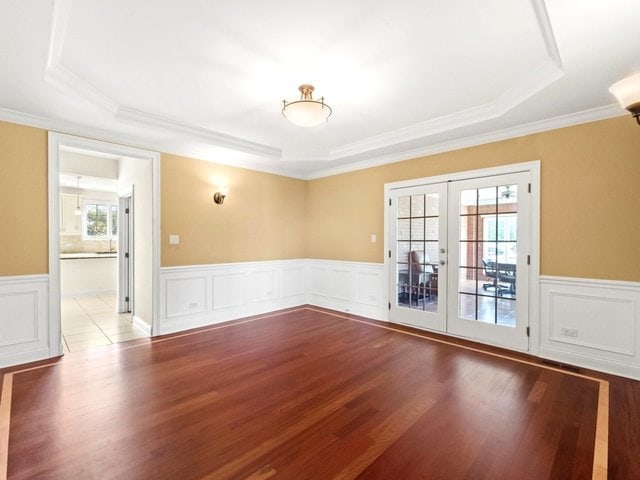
200 295
591 323
352 287
24 319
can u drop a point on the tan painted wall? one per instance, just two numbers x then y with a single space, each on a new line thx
263 217
23 200
590 199
590 203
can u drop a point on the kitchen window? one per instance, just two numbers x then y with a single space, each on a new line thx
99 220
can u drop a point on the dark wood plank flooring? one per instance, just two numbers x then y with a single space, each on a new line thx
308 395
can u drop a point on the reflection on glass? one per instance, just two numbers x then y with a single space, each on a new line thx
431 251
403 251
404 229
417 206
417 229
433 205
488 248
467 280
468 202
404 207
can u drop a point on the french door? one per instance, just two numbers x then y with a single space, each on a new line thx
418 253
459 257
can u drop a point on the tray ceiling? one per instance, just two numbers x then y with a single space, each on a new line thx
206 79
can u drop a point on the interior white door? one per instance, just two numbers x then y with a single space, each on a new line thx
417 243
489 247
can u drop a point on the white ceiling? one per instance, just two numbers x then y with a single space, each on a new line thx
405 78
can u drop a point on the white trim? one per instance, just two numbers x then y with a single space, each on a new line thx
617 284
531 167
467 174
577 118
71 83
18 279
141 325
71 128
535 80
24 301
55 321
125 273
604 316
200 295
56 141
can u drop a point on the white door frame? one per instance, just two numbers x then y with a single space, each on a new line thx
532 167
125 225
56 141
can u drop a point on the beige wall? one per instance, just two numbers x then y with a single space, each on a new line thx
263 217
590 202
590 199
23 200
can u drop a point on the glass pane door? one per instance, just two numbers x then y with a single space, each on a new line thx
488 243
417 252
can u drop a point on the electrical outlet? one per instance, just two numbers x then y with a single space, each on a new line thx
193 305
569 332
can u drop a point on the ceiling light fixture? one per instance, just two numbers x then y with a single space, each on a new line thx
306 112
627 92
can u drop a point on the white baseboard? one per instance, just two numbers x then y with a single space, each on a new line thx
591 323
24 319
201 295
141 325
353 287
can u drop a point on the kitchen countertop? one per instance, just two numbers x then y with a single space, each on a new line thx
76 256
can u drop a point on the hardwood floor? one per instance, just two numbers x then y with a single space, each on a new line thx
308 394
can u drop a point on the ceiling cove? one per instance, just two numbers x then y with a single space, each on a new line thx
537 77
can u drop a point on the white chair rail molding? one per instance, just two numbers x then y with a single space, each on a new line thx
584 322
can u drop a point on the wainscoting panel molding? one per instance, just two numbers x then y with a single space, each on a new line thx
352 287
200 295
24 319
591 323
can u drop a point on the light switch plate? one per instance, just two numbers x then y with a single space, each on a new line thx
174 239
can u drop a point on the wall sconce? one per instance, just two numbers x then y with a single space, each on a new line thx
627 92
220 195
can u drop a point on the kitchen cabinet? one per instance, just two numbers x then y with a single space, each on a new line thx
70 223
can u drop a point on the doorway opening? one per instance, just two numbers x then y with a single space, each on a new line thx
462 254
103 273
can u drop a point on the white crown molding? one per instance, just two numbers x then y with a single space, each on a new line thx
71 128
217 138
72 84
586 116
592 115
536 80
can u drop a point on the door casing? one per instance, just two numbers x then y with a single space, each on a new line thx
533 168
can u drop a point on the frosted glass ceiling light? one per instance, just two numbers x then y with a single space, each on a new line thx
306 112
627 92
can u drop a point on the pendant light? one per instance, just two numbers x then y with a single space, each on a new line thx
78 210
306 112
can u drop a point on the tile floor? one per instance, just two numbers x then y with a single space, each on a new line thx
92 321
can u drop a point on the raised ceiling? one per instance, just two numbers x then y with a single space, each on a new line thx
206 79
